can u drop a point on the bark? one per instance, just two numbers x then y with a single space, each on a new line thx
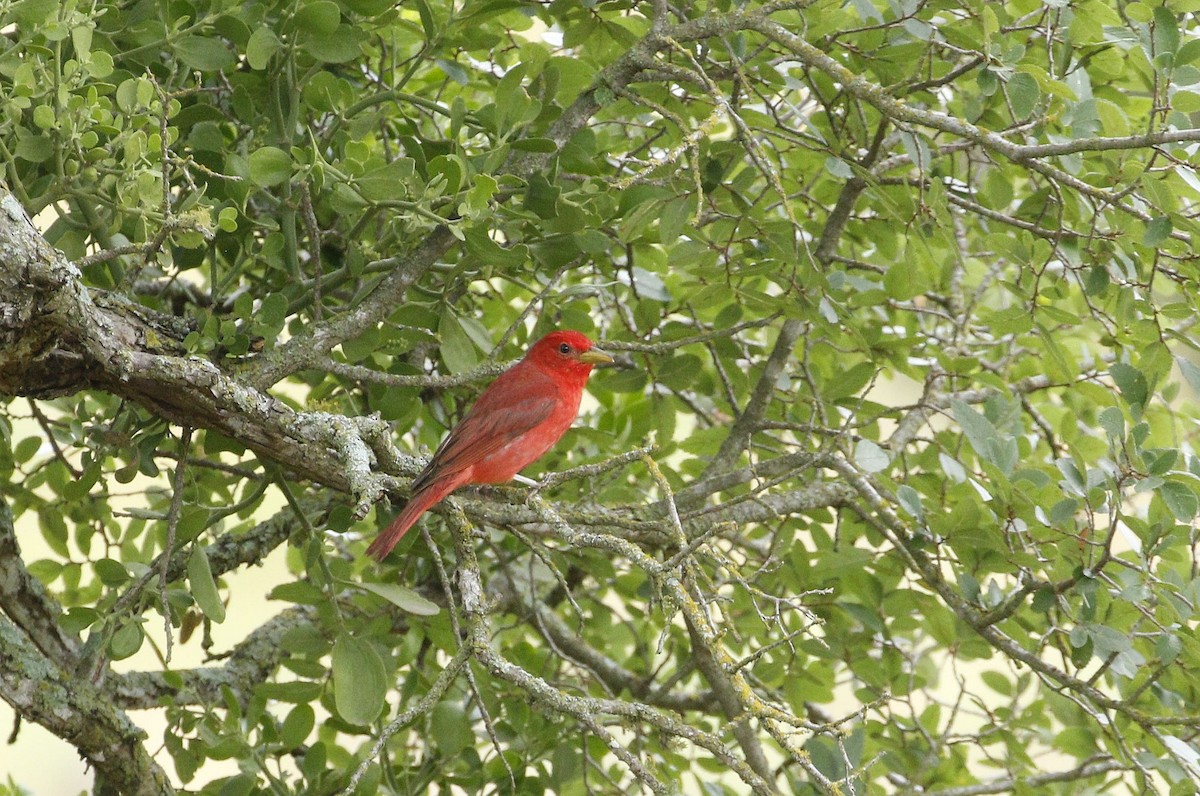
80 713
59 337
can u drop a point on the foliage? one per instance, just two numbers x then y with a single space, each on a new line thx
902 297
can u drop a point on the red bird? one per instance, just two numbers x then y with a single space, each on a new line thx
517 418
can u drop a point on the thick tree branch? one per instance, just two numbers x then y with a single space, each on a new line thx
25 600
58 337
77 711
250 663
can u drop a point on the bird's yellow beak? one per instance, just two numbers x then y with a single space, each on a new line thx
594 356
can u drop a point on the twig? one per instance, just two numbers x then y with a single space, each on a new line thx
177 485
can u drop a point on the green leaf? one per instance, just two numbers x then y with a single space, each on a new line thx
1168 648
1062 513
111 573
1002 452
997 682
78 619
26 449
270 166
297 726
126 641
1097 280
987 81
1024 94
83 483
910 499
192 522
977 428
1109 642
1112 420
1131 383
34 148
44 117
242 784
534 145
81 40
649 285
359 680
851 381
387 182
300 591
457 350
483 188
450 728
454 71
320 17
1181 500
838 168
204 587
675 216
481 246
951 467
272 312
343 44
428 23
262 46
1157 231
541 197
206 53
1159 461
903 281
679 372
1166 32
1190 371
870 457
403 597
451 168
295 691
1011 320
370 8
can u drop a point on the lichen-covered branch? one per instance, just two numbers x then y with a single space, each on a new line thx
249 663
75 710
25 600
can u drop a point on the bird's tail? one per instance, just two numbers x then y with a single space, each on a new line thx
417 505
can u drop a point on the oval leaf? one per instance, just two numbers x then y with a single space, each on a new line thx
870 456
359 680
270 166
126 641
403 598
204 587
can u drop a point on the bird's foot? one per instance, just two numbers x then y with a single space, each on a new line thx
535 487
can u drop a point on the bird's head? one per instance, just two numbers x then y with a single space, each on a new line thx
567 352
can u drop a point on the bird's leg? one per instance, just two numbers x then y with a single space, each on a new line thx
534 486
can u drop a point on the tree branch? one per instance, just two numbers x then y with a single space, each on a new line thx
78 712
250 663
25 600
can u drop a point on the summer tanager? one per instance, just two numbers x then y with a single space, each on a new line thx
517 418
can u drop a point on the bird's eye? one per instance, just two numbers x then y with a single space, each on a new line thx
564 348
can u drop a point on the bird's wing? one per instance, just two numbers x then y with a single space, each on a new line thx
489 425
